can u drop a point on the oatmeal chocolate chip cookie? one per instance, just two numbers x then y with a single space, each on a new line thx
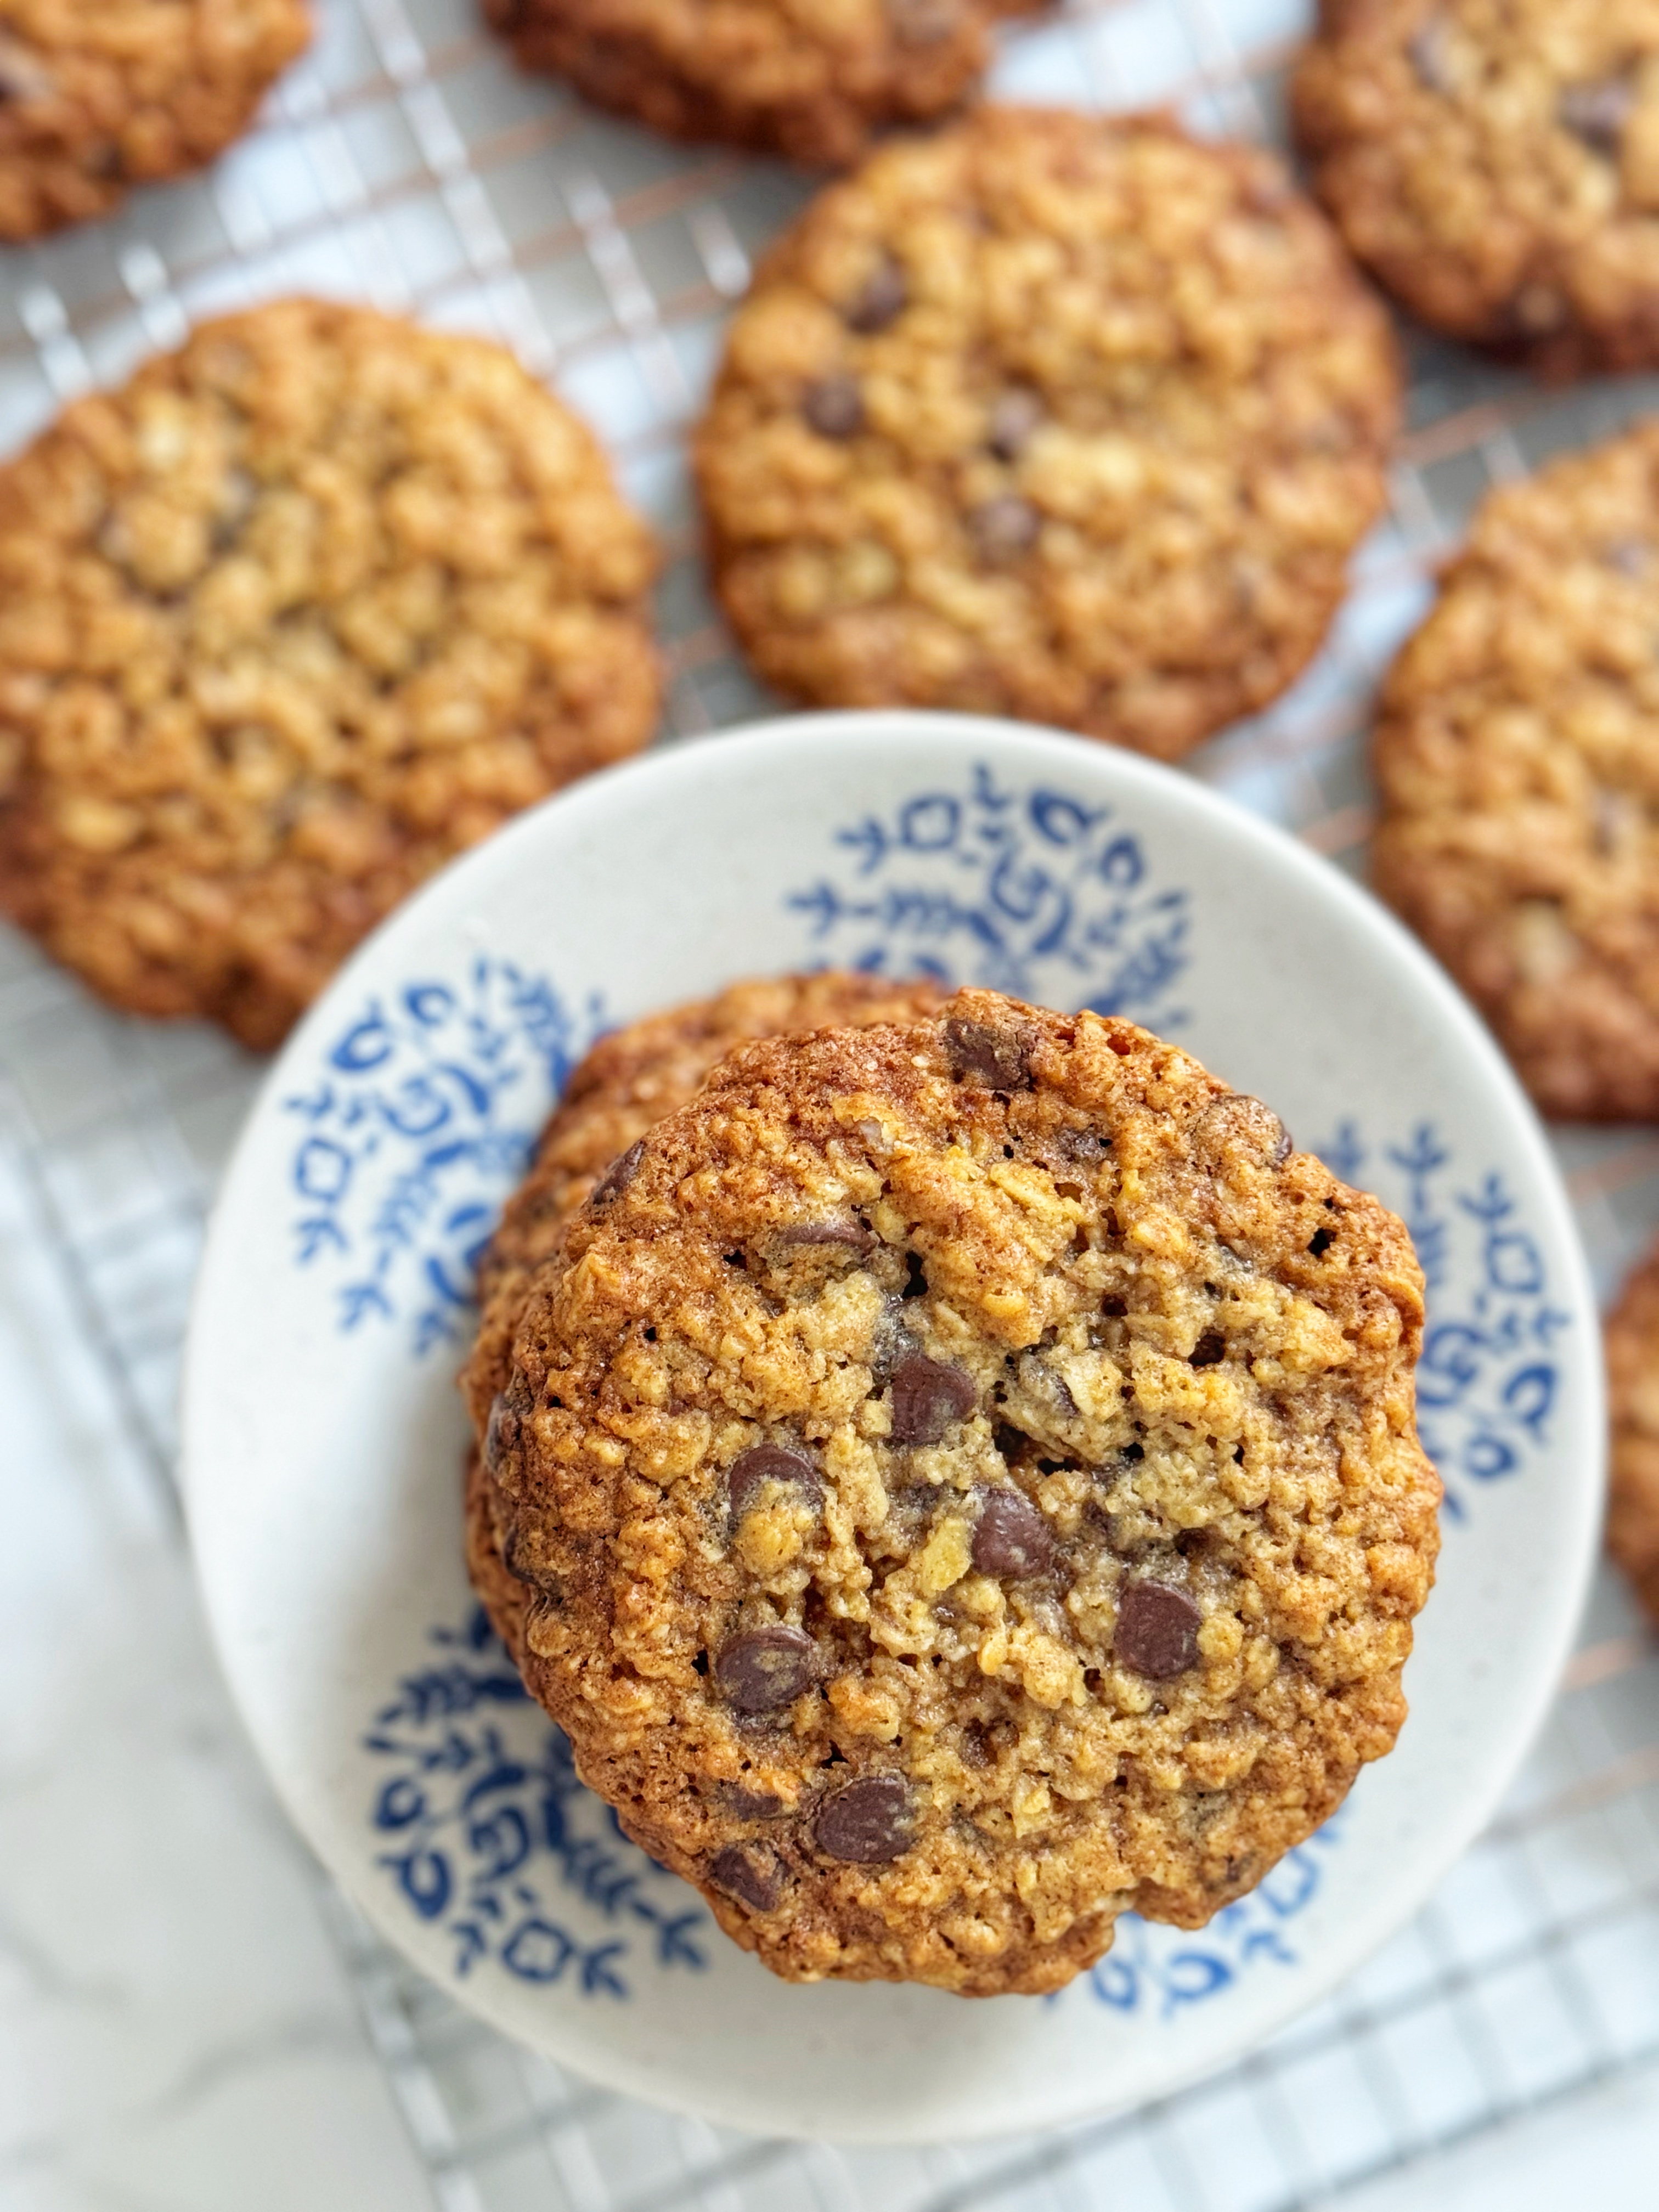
1495 162
1050 417
308 607
1517 752
799 77
961 1485
98 95
1632 1343
629 1081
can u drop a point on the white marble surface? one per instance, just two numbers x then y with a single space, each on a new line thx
176 2031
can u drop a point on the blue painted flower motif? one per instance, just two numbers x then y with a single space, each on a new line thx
480 1801
1165 1970
1487 1380
983 885
424 1113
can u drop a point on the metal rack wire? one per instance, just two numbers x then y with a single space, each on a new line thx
404 163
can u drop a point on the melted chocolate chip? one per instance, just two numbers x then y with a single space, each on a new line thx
1003 527
998 1058
1011 1537
502 1434
1085 1146
867 1822
880 300
752 1873
763 1669
620 1173
764 1464
853 1234
923 23
1597 112
1429 54
834 406
928 1396
1157 1631
749 1804
23 75
1014 418
1210 1349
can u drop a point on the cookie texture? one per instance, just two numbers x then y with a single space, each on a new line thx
1049 417
310 606
962 1479
813 79
1495 163
98 95
1517 758
1632 1347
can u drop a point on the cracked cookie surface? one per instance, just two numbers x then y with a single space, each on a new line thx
962 1484
98 95
304 610
1633 1350
1495 163
813 79
1051 417
1517 756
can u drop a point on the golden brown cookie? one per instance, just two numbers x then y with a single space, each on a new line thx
1517 753
813 79
962 1480
308 607
1632 1342
1052 416
1495 162
98 95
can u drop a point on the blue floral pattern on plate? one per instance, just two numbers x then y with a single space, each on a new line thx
479 1802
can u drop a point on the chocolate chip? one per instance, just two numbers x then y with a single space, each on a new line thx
1597 112
501 1436
1157 1631
762 1463
868 1821
1210 1349
749 1804
752 1873
1430 55
1000 1058
854 1234
1629 556
23 75
928 1396
765 1667
834 406
1085 1146
880 300
923 23
1284 1148
1014 418
620 1173
1003 527
1011 1537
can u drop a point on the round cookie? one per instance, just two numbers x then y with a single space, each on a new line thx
1053 417
962 1481
1517 756
629 1080
1632 1345
1495 162
98 95
813 82
308 607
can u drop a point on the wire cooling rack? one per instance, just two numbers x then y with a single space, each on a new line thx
405 164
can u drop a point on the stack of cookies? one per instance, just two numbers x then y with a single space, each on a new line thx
949 1468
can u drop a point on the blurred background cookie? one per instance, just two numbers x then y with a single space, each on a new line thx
810 80
98 95
1049 416
308 607
1632 1341
1495 163
1517 758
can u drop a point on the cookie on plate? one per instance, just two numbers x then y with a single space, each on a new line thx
1052 416
812 83
305 608
1517 754
1632 1344
98 95
1495 162
963 1483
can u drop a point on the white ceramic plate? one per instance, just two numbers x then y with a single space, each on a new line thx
323 1435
